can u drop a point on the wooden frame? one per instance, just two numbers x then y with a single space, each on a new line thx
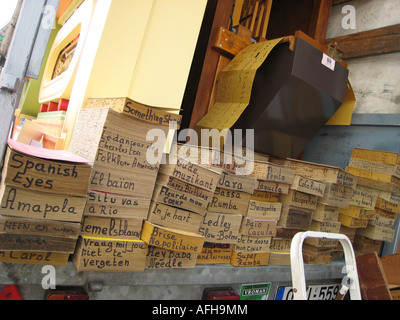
371 42
252 21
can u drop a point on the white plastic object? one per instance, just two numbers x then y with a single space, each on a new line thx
297 263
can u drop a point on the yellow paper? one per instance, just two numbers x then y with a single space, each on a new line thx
235 83
344 114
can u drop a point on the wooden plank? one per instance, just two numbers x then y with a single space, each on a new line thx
281 245
172 239
39 174
182 186
234 182
363 245
391 267
321 242
380 185
326 226
338 190
237 11
334 201
253 244
229 201
139 111
387 206
102 254
266 171
21 242
158 258
249 259
317 258
349 232
219 227
295 218
357 212
352 222
363 198
320 172
315 250
247 13
373 175
382 222
373 282
264 210
386 214
12 225
307 185
107 205
372 42
265 196
215 253
325 213
260 17
254 16
375 166
121 229
171 217
279 259
23 203
171 197
35 257
388 158
258 228
272 187
285 233
377 233
299 199
265 22
191 173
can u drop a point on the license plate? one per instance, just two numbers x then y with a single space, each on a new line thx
314 292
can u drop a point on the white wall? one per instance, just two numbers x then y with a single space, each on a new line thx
375 79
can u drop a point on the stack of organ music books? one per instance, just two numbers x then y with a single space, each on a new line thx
43 196
112 133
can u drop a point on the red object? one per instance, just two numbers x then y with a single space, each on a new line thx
53 106
10 292
222 295
67 295
63 105
44 107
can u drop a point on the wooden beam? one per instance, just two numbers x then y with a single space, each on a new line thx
222 18
321 27
237 11
229 43
372 42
